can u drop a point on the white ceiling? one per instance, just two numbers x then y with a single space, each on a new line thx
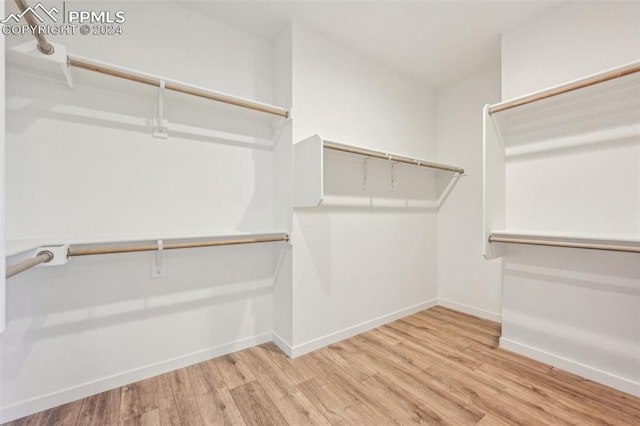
433 42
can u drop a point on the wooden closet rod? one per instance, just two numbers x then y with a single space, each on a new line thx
590 81
589 246
172 246
43 45
42 257
150 80
392 157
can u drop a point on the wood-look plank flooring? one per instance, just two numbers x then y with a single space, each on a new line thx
435 367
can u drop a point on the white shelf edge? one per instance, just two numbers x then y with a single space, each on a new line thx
15 247
308 167
67 60
563 85
392 156
169 81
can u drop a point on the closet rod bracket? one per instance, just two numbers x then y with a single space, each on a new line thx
158 266
392 184
160 125
364 172
58 57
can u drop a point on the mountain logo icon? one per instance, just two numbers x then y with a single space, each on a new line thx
38 10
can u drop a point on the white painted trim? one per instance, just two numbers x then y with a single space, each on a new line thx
466 309
616 382
64 396
323 341
282 344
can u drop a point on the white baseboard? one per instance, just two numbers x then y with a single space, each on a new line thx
466 309
44 402
323 341
616 382
282 344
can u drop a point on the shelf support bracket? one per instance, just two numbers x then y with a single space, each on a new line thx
393 175
160 129
364 172
158 269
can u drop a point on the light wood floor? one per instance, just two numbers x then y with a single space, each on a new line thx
435 367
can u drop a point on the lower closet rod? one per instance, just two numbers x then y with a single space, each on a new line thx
170 246
41 257
590 246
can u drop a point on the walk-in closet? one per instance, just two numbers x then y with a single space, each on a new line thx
312 212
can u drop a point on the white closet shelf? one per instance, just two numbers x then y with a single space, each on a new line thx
595 241
18 246
581 83
603 106
170 84
308 166
365 152
64 60
557 132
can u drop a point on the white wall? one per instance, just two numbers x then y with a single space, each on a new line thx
466 281
364 256
82 164
230 187
569 42
572 308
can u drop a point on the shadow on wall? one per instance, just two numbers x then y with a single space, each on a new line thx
596 269
370 224
134 183
115 291
119 104
579 307
354 183
256 216
594 115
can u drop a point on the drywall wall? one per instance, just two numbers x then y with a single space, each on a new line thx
466 281
81 163
575 309
232 183
570 42
365 256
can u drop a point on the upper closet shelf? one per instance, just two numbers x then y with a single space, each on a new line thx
598 108
598 113
390 157
570 86
66 61
174 85
308 169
